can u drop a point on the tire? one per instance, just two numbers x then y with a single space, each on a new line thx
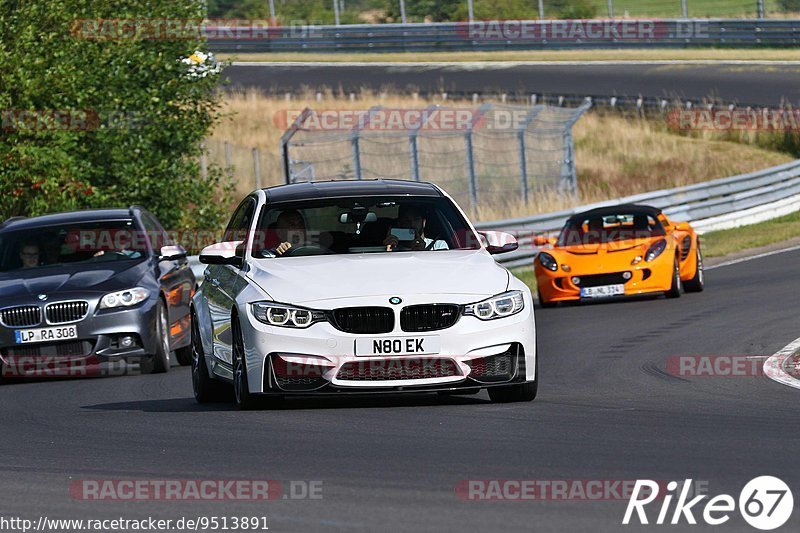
158 362
523 392
246 400
206 389
184 355
542 303
675 290
698 282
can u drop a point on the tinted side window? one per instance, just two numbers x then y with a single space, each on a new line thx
240 221
155 231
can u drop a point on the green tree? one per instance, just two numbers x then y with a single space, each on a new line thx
146 111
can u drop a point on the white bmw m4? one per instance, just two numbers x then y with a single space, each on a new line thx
359 287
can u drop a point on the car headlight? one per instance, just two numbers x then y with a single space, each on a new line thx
503 305
547 261
126 298
286 316
655 250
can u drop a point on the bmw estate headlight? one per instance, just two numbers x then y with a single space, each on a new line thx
503 305
286 316
126 298
655 250
547 261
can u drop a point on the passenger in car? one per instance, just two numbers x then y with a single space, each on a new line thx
413 217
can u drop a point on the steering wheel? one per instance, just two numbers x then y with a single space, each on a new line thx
306 249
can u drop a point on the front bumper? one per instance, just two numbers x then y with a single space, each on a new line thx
645 278
322 359
98 341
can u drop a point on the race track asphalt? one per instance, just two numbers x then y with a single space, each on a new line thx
607 410
765 85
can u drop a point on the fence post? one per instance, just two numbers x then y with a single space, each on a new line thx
684 10
257 167
568 177
523 165
228 166
473 186
611 9
414 154
356 155
523 162
760 9
541 9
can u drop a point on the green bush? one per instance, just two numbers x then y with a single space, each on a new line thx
578 9
789 6
137 113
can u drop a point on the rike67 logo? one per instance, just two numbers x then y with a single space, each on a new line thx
765 503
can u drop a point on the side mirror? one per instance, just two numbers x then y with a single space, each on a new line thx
223 253
172 253
498 242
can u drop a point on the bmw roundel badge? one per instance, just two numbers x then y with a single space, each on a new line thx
394 300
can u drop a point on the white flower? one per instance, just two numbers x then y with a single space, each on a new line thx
200 64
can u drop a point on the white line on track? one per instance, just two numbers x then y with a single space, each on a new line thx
774 365
472 65
750 258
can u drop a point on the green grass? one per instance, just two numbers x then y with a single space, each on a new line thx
696 8
527 277
725 242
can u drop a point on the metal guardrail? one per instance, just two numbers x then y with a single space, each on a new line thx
699 203
509 35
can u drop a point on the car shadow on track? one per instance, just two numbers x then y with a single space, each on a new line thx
188 405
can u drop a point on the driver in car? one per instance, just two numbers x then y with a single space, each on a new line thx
29 255
291 230
413 218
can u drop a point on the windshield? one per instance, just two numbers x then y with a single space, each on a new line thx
361 225
85 243
609 228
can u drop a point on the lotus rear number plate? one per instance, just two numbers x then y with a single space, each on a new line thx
603 291
24 336
398 345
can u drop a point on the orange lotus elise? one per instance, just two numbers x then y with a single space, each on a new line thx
617 251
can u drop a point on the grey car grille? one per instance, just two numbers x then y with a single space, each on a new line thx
21 316
63 312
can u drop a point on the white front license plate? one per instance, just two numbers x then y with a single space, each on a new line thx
398 346
24 336
603 291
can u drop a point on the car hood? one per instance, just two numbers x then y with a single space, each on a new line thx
603 257
21 285
314 278
631 245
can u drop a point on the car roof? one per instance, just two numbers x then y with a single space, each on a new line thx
621 209
311 190
69 217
